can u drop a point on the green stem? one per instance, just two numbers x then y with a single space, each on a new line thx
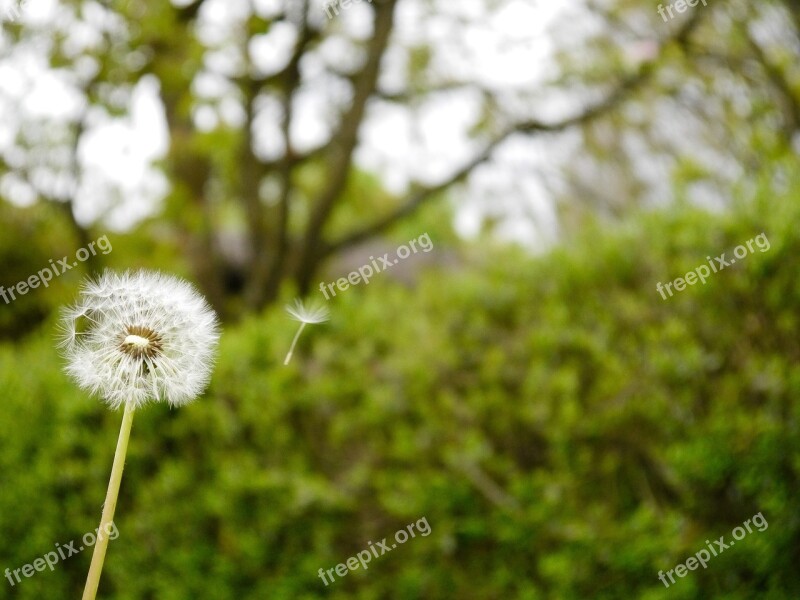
291 350
99 554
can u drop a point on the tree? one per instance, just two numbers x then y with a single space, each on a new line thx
234 160
725 105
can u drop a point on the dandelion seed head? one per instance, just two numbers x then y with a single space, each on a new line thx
138 337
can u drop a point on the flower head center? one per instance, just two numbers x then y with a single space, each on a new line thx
140 342
137 341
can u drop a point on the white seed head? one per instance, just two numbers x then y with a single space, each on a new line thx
138 337
314 313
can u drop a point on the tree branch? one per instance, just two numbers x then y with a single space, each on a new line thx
266 278
410 94
783 88
422 195
345 139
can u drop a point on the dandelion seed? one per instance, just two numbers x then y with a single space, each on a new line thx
312 314
131 339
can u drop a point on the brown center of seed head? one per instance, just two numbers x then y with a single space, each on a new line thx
140 342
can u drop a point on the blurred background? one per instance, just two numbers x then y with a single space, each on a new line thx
565 430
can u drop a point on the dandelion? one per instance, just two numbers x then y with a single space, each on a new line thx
131 339
313 314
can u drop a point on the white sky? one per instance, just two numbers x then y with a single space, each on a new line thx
121 185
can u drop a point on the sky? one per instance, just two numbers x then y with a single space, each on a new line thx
508 50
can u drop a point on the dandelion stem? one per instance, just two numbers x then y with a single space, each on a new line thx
294 342
99 555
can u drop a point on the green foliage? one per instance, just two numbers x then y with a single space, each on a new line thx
32 238
566 432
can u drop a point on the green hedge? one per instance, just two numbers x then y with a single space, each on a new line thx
565 432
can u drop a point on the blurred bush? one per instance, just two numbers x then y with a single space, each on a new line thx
31 238
566 432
